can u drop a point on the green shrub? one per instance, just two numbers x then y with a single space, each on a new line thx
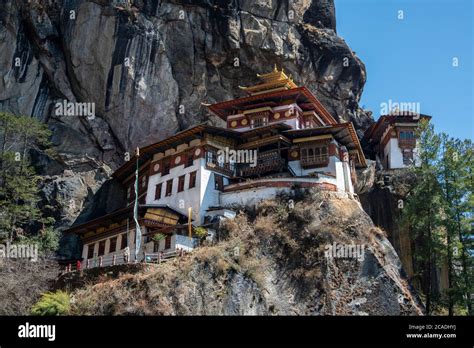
200 232
52 303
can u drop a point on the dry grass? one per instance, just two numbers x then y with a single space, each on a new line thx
276 240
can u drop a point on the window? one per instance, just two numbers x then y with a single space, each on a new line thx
156 246
192 179
189 159
181 183
124 242
407 157
314 155
166 166
259 121
158 189
101 247
113 244
169 187
407 135
211 156
90 251
218 182
218 162
168 241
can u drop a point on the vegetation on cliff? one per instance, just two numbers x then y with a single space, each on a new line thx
269 260
22 219
438 211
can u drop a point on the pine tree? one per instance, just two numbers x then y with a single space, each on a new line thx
19 191
439 212
457 164
422 211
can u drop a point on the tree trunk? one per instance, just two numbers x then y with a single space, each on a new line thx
464 262
449 250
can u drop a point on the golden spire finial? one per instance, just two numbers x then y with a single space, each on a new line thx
275 69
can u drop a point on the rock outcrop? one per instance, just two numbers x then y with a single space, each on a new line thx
146 67
384 203
269 261
365 178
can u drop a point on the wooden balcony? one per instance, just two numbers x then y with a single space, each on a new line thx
264 167
314 161
226 169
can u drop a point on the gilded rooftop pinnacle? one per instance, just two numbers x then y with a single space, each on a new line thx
275 80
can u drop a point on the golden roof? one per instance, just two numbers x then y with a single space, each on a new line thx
272 81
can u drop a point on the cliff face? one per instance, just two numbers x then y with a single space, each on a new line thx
383 202
269 261
148 65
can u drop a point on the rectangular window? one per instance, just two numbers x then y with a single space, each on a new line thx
211 156
181 183
218 182
90 251
113 244
166 166
101 247
315 155
168 241
406 139
407 135
192 179
189 159
259 121
156 246
169 187
407 157
158 189
124 242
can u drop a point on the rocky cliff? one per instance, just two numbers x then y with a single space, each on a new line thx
383 201
148 65
268 261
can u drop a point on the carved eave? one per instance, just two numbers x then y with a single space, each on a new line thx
146 153
146 212
301 95
343 133
375 133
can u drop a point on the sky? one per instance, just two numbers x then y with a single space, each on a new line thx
411 59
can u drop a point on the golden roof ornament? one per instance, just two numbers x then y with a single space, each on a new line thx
273 81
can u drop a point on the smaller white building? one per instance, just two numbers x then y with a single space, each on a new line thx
391 141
